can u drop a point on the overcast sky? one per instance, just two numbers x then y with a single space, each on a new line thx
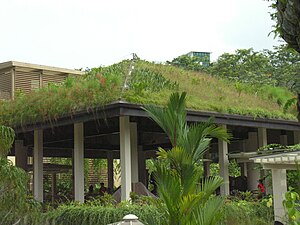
89 33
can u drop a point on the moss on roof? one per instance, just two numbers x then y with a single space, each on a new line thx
149 83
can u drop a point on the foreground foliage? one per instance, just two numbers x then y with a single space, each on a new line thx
247 213
235 213
186 198
14 202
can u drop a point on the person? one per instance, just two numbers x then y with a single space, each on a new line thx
90 194
261 188
102 189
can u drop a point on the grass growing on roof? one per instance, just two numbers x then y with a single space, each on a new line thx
149 84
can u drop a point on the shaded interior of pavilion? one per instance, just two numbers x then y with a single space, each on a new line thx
133 138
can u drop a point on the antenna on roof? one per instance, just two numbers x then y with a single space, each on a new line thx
130 69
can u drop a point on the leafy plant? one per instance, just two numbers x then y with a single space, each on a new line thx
292 206
185 196
7 137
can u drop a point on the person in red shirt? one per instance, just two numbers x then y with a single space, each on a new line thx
261 189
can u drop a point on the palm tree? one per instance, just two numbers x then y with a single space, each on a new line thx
186 197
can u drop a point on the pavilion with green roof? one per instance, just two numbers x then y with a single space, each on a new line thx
100 115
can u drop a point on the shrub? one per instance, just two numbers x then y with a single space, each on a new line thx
99 215
247 213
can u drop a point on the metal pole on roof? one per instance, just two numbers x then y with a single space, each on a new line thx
131 68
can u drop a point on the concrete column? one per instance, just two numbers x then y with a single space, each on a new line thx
296 137
253 175
38 166
110 171
262 137
224 162
125 157
243 167
134 153
262 141
279 190
283 140
142 166
78 162
21 154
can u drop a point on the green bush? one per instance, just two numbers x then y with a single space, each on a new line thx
247 213
95 215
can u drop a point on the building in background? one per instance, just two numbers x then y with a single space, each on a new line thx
25 77
204 56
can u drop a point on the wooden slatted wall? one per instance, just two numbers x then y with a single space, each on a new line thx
26 80
5 84
52 78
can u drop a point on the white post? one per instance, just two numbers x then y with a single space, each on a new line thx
79 162
110 171
279 190
21 154
125 157
223 162
134 153
38 166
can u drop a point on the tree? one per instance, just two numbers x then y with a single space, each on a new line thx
287 17
285 66
13 183
244 66
189 63
187 199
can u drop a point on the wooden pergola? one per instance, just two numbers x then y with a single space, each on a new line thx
279 163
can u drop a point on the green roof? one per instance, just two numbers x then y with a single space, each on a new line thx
149 83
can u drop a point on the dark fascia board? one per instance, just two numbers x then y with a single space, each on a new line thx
122 108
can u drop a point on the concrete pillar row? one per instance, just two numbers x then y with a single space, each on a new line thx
78 160
38 189
224 162
125 157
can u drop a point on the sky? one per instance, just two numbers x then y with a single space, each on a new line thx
91 33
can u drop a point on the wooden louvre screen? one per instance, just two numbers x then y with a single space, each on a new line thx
52 78
27 81
5 84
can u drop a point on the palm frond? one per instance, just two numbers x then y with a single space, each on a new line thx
210 213
7 137
209 185
171 119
